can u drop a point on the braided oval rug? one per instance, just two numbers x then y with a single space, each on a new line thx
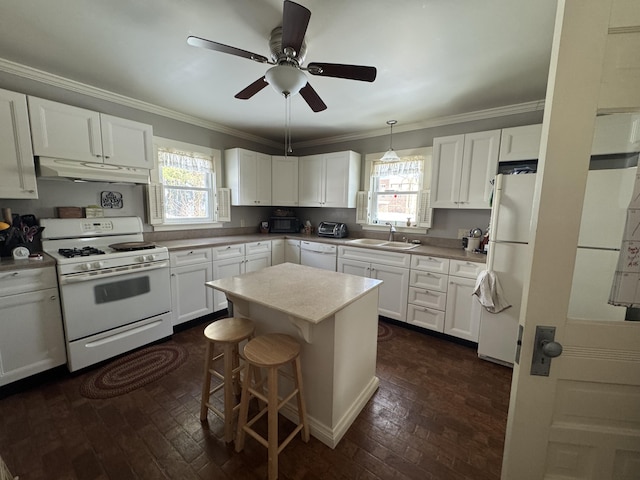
133 371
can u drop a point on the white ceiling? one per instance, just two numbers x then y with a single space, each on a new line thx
435 58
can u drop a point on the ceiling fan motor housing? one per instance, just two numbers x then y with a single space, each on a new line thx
278 54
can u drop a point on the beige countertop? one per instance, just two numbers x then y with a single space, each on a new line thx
306 293
426 250
8 263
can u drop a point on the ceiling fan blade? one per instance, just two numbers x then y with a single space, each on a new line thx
252 89
312 98
337 70
295 19
220 47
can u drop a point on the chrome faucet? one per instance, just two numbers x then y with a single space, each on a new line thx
392 230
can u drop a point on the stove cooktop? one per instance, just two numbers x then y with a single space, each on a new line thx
80 252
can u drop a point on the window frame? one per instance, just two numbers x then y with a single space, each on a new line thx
427 152
214 190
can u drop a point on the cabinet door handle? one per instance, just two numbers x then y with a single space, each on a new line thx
53 297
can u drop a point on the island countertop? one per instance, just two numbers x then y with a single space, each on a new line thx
307 293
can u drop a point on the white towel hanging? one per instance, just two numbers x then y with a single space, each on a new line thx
489 292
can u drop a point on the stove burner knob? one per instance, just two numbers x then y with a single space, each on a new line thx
141 258
97 264
85 266
150 258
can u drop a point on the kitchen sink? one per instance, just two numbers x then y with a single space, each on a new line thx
399 245
372 242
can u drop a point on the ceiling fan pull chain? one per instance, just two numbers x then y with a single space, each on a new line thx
287 125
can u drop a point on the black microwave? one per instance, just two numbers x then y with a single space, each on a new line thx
284 225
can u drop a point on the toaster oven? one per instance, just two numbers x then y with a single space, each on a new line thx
332 229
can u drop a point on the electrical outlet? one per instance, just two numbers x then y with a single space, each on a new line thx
463 232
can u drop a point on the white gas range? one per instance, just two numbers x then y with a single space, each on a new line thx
114 286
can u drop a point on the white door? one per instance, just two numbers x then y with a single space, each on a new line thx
229 267
462 316
18 179
263 179
583 420
63 131
126 143
311 181
292 251
336 184
284 181
479 165
256 262
392 300
446 171
190 297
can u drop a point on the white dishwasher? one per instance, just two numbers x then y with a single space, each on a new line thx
318 255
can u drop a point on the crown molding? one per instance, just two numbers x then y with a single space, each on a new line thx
47 78
536 105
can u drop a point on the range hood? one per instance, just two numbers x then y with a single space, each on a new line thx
91 172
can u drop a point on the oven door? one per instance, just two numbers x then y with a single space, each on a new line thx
95 302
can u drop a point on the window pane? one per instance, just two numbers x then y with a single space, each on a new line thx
173 176
186 204
395 207
398 183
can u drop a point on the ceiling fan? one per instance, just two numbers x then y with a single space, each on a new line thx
288 50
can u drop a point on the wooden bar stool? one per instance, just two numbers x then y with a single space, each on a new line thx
229 332
270 351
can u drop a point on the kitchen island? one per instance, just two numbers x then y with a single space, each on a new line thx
335 318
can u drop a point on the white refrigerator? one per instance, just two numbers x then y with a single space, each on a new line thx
607 197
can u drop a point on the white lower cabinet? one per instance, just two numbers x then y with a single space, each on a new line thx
31 331
277 251
292 251
190 297
394 273
440 296
285 250
428 281
462 317
231 260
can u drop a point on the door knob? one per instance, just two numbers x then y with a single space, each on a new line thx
545 348
551 349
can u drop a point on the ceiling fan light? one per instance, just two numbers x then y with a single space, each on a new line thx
286 80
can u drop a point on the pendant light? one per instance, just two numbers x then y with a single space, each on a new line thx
390 155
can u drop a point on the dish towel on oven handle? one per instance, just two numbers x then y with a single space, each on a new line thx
489 292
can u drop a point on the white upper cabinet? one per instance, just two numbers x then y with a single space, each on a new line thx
73 133
18 178
329 180
520 143
463 167
618 133
248 176
284 181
